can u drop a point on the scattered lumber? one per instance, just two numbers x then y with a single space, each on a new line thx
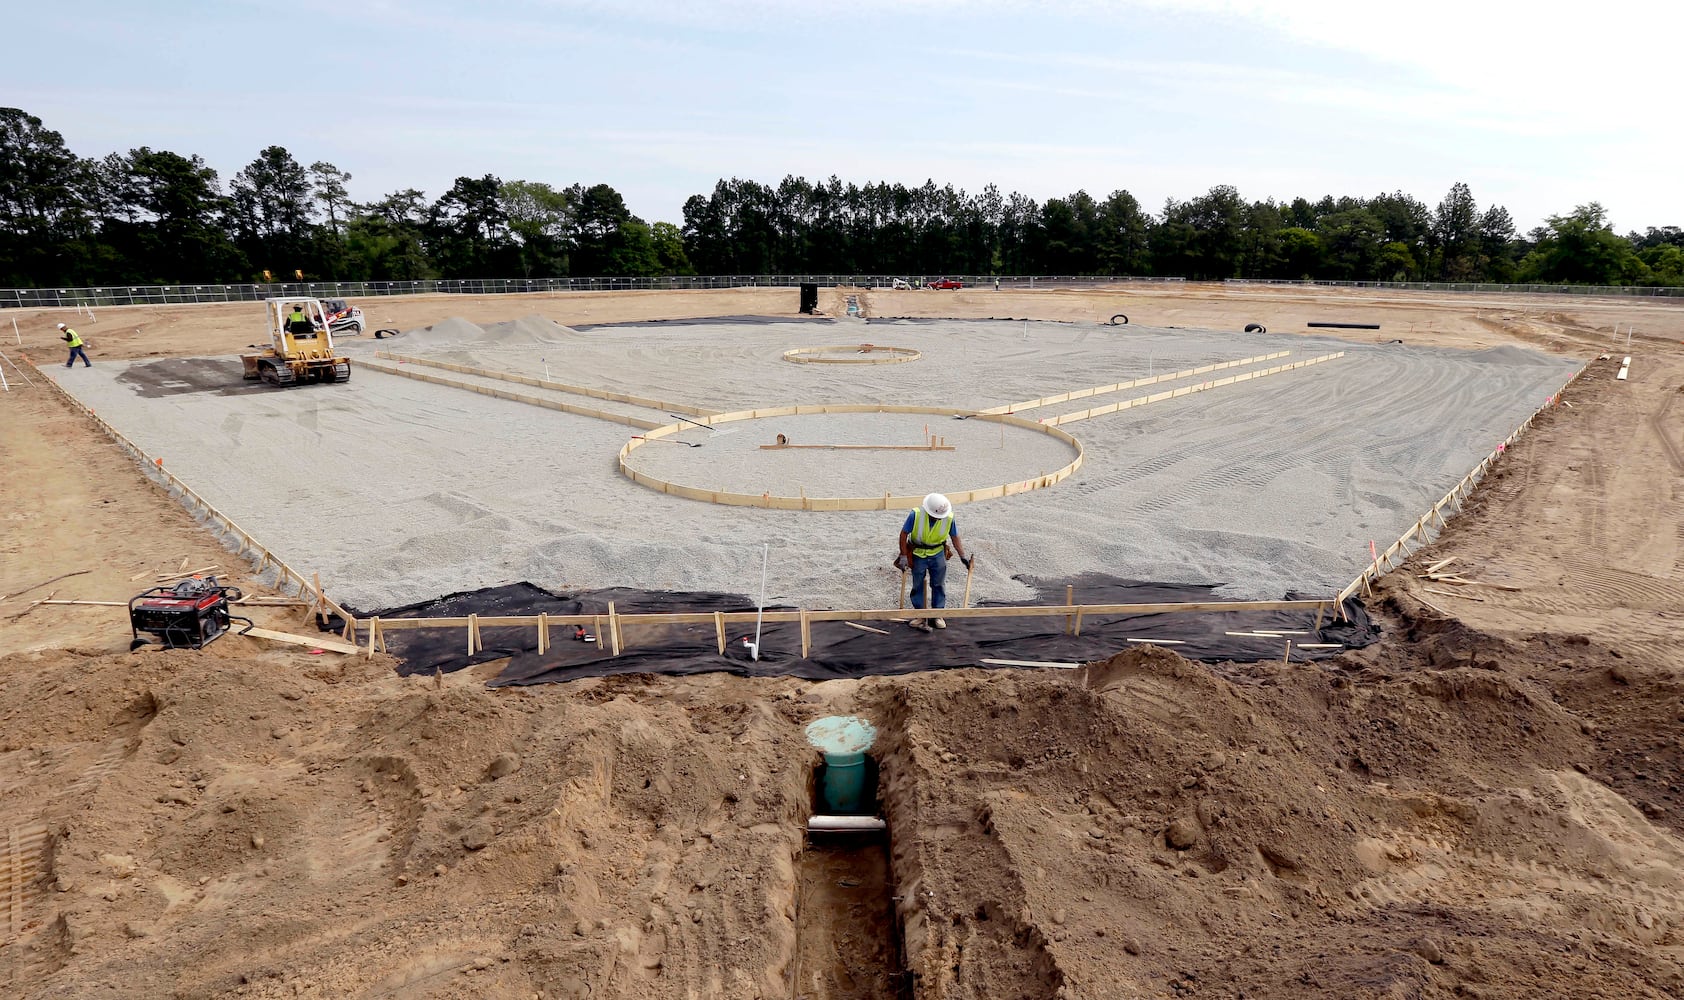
865 628
1435 567
1452 593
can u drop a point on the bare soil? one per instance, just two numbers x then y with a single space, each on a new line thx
1485 804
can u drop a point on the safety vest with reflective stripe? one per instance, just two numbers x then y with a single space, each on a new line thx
75 338
929 535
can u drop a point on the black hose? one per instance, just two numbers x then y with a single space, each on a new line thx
1346 326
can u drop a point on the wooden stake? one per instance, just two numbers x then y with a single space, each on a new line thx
543 634
1288 657
596 628
1078 621
719 629
1069 599
806 634
613 629
473 634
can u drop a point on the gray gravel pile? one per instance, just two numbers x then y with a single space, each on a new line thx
1272 486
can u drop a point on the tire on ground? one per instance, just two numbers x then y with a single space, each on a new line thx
1256 328
1119 320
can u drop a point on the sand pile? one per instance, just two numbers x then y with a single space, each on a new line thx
457 332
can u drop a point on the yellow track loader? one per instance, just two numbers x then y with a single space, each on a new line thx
300 346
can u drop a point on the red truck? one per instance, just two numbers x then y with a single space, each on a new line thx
946 283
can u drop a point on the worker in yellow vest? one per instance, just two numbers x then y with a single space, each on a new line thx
74 339
924 539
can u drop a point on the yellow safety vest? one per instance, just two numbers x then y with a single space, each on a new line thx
75 338
929 535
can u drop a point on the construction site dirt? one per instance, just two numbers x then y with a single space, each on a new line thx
1483 802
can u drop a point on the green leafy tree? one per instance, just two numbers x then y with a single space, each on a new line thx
668 241
167 219
468 230
44 195
1580 248
540 221
1455 235
272 211
386 240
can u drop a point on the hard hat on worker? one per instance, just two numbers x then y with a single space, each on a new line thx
937 506
61 326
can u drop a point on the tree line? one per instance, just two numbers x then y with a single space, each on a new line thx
160 217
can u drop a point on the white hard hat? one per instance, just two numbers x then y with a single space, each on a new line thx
61 326
937 506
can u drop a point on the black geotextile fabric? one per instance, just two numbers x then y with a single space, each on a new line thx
838 650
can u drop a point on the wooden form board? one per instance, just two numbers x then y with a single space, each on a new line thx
1384 562
885 502
408 371
250 548
1100 390
313 642
1187 390
617 622
543 383
894 355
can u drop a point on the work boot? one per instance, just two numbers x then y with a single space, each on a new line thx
941 623
919 624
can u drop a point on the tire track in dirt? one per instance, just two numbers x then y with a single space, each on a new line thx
1657 420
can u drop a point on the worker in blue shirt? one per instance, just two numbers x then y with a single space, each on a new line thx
924 539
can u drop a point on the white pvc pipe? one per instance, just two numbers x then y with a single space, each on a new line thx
845 824
765 559
15 332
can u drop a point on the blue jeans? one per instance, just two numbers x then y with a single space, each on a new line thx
936 568
77 352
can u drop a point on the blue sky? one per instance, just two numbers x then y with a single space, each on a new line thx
1538 107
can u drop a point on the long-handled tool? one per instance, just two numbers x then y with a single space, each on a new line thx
970 568
687 444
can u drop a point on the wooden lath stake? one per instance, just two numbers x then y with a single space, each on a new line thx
1069 601
473 634
543 634
613 629
719 629
806 634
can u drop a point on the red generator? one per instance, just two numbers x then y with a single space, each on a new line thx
187 615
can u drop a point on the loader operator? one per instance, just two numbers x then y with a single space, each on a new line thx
298 324
924 539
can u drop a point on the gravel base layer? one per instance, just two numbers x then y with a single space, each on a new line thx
397 491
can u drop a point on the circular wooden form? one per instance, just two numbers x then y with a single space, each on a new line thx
886 355
884 502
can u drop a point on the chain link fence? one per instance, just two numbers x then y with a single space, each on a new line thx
132 295
137 295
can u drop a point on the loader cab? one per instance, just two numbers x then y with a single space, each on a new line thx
300 328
